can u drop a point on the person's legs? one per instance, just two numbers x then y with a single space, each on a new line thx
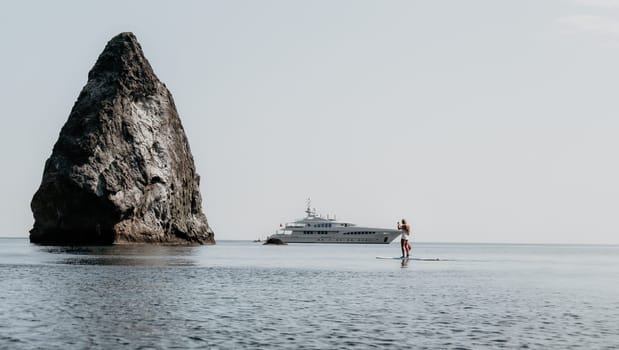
403 246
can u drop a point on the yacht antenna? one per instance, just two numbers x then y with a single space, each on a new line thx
308 210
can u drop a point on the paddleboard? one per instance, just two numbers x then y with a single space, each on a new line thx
405 258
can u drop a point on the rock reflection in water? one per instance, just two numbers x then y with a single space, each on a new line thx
123 255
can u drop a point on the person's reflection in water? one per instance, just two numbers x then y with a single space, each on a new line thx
404 263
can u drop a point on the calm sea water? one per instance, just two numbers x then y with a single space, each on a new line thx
242 295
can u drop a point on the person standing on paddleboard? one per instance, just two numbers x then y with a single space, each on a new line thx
404 241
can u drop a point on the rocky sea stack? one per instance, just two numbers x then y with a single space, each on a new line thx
121 170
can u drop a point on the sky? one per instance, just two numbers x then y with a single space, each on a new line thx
478 120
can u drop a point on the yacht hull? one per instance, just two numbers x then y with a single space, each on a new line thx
354 237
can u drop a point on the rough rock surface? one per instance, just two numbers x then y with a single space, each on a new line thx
121 170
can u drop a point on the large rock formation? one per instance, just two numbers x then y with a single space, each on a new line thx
121 170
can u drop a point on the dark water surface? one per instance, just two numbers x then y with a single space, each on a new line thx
242 295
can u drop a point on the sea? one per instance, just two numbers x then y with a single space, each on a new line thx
245 295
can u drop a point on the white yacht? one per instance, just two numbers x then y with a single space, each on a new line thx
316 229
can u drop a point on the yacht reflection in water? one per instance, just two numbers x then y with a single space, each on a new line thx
123 255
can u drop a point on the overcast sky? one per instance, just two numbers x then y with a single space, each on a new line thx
479 121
